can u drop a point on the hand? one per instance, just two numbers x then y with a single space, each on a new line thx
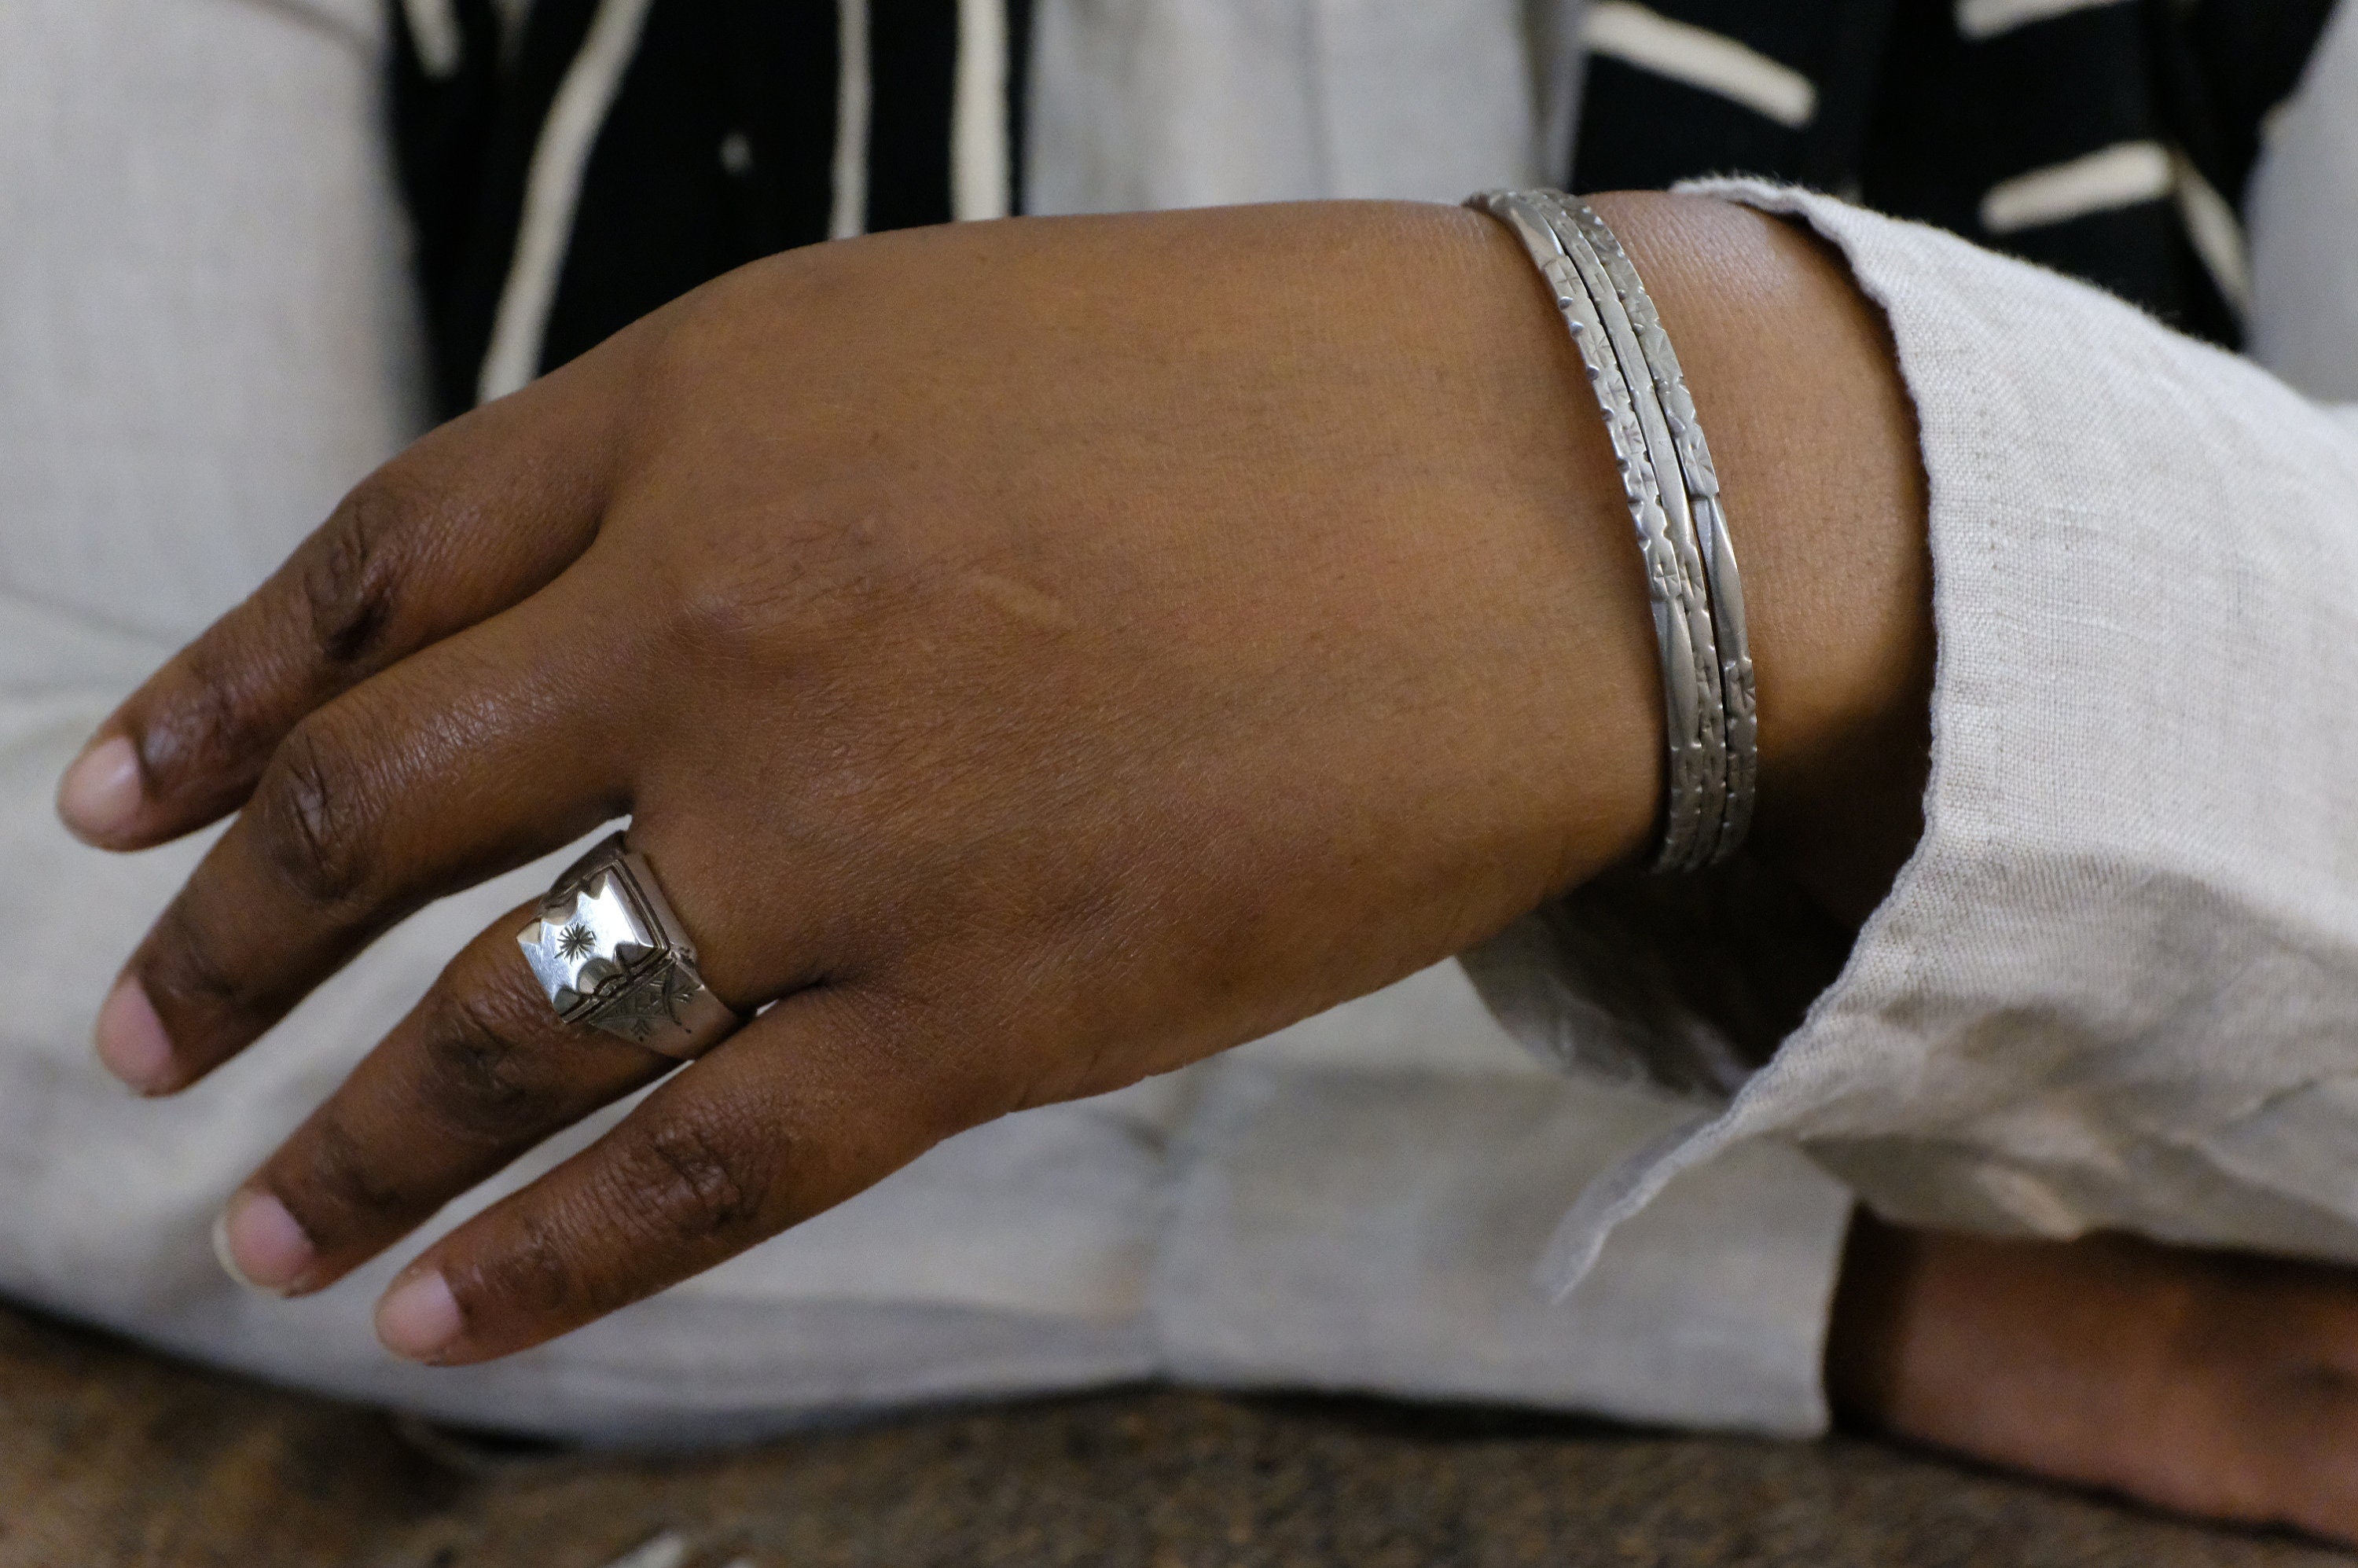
1032 655
2211 1383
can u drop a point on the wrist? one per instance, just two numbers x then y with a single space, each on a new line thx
1798 387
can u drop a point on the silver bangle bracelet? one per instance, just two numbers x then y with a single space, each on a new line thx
1653 421
1673 607
1667 476
1718 551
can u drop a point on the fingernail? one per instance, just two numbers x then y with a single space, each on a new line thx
259 1244
131 1039
98 796
418 1318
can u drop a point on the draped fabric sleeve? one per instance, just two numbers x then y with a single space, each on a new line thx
2114 985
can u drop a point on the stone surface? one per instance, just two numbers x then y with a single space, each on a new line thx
110 1457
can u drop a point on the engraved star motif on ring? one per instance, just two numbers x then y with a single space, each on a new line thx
575 940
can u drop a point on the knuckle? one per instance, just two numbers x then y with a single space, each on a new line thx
185 967
351 575
533 1269
211 728
729 622
204 732
770 604
480 1075
340 1174
312 813
689 1184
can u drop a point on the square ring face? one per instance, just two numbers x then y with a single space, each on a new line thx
592 944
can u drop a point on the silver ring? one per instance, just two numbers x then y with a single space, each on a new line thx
610 953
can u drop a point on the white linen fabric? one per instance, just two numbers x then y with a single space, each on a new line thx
204 339
2304 209
2115 985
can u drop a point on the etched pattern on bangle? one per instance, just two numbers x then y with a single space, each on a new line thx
1655 423
1672 600
1717 549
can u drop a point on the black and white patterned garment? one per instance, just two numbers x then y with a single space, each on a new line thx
573 163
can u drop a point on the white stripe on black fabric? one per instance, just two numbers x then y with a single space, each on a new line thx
978 118
434 30
552 191
1979 19
854 97
2124 175
1710 61
2217 234
567 191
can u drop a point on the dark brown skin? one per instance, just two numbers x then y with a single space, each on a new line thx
1036 655
1041 654
2210 1383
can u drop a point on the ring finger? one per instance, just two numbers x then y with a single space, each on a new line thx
481 1070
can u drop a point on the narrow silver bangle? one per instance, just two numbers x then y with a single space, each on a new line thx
1673 493
1671 599
1654 421
1718 550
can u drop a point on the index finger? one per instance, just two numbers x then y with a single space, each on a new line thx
469 521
